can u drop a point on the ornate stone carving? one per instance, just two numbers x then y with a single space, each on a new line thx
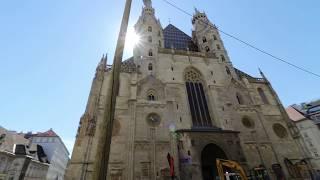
91 126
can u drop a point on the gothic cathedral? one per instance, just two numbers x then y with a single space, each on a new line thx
181 95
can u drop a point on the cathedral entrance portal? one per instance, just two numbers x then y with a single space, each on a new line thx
209 155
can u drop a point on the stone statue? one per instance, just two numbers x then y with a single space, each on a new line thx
147 3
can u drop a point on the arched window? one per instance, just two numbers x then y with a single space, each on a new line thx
151 95
207 49
149 29
239 98
159 43
218 47
204 39
263 96
150 39
197 99
150 52
228 71
214 37
247 122
222 58
150 67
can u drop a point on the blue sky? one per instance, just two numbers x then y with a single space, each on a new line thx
49 51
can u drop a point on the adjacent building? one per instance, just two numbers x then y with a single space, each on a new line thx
19 159
56 152
306 119
181 95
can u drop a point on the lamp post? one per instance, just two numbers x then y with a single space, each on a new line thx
104 140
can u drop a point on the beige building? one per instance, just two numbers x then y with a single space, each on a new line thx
13 166
181 95
19 159
309 136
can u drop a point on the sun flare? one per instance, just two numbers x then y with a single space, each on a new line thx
132 38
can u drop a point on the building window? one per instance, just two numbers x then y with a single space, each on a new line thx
197 99
214 37
151 95
228 70
204 39
149 29
153 119
150 39
280 130
159 33
150 52
222 58
247 122
150 66
239 98
263 96
218 47
207 49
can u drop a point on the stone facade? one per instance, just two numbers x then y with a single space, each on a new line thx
12 166
182 95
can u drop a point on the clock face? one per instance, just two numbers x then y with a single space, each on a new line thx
153 119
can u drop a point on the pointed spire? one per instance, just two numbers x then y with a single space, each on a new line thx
147 3
196 10
103 62
262 75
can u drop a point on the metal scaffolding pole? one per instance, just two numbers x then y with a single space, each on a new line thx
104 142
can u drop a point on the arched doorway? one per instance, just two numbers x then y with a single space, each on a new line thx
209 155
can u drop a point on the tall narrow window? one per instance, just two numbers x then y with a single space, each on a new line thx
151 95
218 47
239 98
204 39
150 67
150 39
197 99
149 29
150 52
207 49
223 59
159 43
263 96
228 71
214 37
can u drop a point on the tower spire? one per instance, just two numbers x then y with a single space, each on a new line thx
147 3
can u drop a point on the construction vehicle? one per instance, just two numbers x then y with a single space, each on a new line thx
231 165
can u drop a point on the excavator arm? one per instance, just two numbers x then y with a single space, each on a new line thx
230 164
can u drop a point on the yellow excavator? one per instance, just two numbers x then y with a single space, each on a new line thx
232 165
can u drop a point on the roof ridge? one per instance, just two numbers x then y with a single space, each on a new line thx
177 29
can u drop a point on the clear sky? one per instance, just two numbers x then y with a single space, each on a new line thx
49 51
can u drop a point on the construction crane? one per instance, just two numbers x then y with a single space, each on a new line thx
232 165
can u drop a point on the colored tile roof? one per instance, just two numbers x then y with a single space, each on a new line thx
174 37
294 114
49 133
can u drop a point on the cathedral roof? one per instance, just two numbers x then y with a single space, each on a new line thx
242 74
128 65
177 39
